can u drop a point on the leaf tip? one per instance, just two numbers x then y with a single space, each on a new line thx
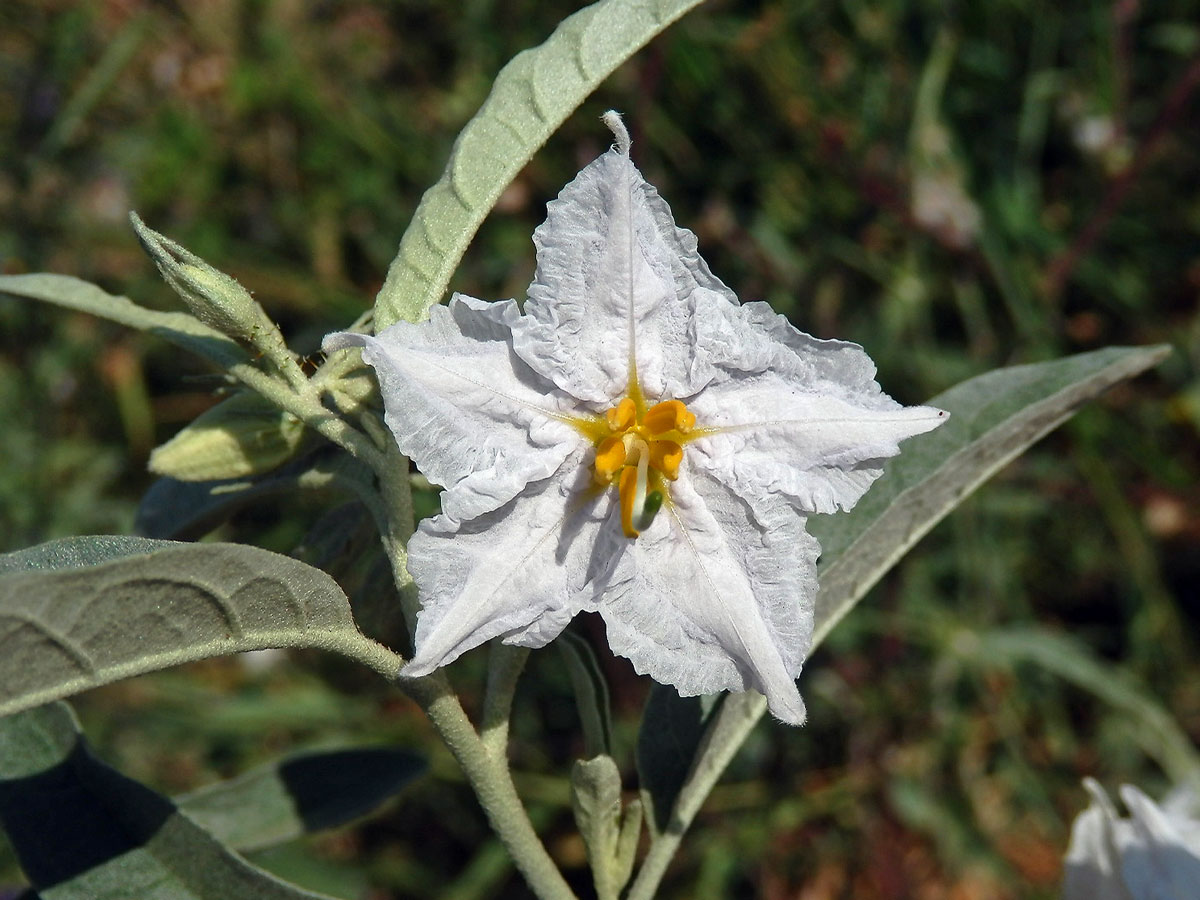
612 119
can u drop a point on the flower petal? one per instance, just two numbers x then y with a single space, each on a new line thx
717 595
614 270
1091 865
795 415
520 572
472 416
1156 862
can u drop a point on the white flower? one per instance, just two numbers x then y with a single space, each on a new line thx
1154 855
632 377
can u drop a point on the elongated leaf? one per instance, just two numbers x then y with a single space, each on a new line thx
596 802
307 792
591 692
179 328
530 98
83 831
66 630
670 733
993 418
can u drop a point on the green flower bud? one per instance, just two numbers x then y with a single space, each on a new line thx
213 297
241 436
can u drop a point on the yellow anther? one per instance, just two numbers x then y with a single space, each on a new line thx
621 416
628 491
639 450
610 456
670 415
666 457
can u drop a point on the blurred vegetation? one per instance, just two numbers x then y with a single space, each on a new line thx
954 186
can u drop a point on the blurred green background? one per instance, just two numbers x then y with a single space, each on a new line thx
955 186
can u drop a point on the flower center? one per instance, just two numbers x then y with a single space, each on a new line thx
636 452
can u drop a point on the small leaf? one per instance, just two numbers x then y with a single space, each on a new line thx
304 793
83 831
993 418
185 510
530 98
177 327
668 737
66 630
596 802
243 435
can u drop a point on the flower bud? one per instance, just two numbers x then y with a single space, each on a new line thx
241 436
214 297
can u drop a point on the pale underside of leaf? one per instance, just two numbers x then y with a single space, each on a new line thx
179 328
307 792
65 630
83 831
531 97
993 419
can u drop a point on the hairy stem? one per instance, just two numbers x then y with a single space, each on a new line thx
491 780
304 403
504 670
723 738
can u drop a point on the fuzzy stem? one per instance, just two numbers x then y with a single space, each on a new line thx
739 713
504 670
491 780
304 403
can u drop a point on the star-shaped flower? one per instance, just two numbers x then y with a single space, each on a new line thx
634 442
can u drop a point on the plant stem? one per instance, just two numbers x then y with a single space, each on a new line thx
305 405
722 739
491 780
504 670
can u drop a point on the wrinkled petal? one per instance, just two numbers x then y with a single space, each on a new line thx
520 572
472 416
717 592
614 270
717 596
796 415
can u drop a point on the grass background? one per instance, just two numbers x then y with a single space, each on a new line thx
954 186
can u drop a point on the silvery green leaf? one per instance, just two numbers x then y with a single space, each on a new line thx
179 328
530 98
596 802
993 418
185 510
159 604
83 831
591 692
669 735
303 793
